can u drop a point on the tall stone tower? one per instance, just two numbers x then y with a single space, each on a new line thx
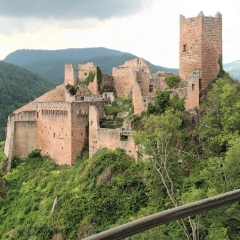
200 47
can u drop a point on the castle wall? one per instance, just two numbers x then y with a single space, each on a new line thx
62 129
109 138
107 84
21 134
82 92
200 46
83 72
9 143
137 98
192 99
108 96
123 81
212 48
143 79
25 138
69 75
55 131
190 49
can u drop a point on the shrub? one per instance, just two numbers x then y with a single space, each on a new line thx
35 154
172 80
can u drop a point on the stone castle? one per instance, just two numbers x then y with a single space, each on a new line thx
61 122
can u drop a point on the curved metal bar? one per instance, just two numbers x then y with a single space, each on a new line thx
166 216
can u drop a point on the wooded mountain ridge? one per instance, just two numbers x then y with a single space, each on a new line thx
50 63
18 87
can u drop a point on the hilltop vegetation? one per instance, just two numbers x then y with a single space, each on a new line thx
49 63
18 87
191 156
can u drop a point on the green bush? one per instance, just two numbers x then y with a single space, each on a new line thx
172 80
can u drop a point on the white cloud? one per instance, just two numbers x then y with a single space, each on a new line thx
152 33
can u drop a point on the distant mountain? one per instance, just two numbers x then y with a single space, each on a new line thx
18 87
25 56
233 68
50 63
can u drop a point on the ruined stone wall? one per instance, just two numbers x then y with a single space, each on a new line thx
62 129
161 76
83 72
200 46
125 75
146 100
9 143
143 80
108 96
107 84
55 131
123 81
109 138
192 98
25 134
82 92
137 98
21 134
212 48
191 42
25 138
138 63
79 134
69 75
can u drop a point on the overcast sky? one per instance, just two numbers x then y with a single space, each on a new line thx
146 28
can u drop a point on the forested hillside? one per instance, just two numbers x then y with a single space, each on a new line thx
50 63
191 156
18 87
233 68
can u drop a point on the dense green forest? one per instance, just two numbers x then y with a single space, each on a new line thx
18 87
191 156
50 63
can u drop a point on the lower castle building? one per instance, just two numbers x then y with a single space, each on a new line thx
61 122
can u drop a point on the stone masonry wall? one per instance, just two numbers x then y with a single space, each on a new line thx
192 99
124 76
123 81
21 134
200 47
107 84
83 72
69 75
55 131
190 49
109 138
211 49
137 98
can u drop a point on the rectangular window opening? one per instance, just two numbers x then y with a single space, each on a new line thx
150 88
184 48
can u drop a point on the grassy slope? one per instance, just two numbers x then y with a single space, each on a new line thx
93 195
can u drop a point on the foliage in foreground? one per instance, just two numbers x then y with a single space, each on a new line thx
91 196
189 158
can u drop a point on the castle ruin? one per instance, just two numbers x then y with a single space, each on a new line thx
57 123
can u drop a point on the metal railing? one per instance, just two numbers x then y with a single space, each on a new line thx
166 216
